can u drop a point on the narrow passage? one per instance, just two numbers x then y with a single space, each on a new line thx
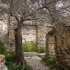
35 62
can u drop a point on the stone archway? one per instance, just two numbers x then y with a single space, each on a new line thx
50 45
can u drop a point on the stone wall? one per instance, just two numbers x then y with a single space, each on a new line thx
29 34
33 34
42 31
3 28
6 32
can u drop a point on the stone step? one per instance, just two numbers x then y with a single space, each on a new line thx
41 54
30 54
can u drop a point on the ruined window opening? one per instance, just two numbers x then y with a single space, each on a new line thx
50 45
33 28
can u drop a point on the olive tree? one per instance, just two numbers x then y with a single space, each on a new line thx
21 10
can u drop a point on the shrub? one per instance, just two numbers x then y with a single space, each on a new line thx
12 67
29 47
25 48
9 62
33 48
52 63
2 48
41 50
65 68
10 57
44 58
27 67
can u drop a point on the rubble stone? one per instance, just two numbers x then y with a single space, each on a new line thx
2 61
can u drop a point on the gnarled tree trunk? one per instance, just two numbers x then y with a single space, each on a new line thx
19 57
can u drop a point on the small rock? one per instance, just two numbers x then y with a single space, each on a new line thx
4 68
36 57
41 55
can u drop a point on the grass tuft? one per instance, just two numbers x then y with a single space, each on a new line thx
29 47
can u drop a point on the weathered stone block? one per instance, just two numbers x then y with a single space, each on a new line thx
2 61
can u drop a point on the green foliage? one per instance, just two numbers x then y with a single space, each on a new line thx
2 48
9 62
27 67
12 67
65 68
41 50
9 65
10 57
44 58
52 63
29 47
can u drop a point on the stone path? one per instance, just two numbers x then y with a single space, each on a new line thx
36 63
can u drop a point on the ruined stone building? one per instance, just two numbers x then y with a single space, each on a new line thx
41 32
58 45
32 32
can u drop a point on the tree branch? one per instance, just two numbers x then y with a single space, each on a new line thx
50 13
45 2
11 7
33 12
45 6
65 7
17 18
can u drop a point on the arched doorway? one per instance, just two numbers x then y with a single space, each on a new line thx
50 45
